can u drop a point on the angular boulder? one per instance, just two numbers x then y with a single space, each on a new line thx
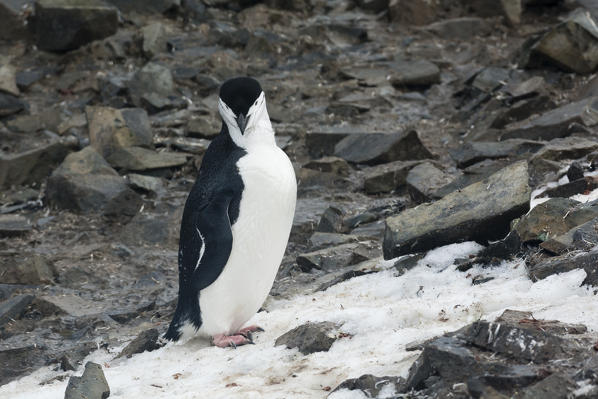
85 183
310 337
480 212
91 385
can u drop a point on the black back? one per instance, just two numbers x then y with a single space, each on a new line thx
240 93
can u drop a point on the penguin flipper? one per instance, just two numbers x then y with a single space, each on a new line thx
206 243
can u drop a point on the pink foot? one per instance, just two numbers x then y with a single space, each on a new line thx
224 341
250 329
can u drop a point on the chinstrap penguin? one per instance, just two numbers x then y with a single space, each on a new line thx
236 222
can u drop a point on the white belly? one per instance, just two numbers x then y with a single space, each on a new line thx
260 237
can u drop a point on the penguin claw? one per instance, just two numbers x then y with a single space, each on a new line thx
232 341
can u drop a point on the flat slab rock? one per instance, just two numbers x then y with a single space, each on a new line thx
587 261
146 341
310 337
481 211
377 148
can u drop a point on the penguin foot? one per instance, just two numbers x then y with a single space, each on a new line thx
250 329
224 341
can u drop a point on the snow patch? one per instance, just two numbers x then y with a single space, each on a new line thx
383 312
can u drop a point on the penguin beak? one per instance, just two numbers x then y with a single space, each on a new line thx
242 122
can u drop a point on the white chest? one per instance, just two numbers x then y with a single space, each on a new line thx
260 236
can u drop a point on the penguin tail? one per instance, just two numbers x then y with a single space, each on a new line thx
187 313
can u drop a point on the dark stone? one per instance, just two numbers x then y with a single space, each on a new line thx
331 221
85 183
343 277
14 225
334 258
579 186
370 385
571 45
26 269
387 177
91 385
140 159
17 361
10 104
408 262
32 166
564 263
575 171
13 26
145 341
63 25
476 151
111 129
329 165
481 211
460 28
373 5
526 320
123 316
582 237
554 218
321 142
554 386
559 122
14 307
376 148
145 7
319 240
424 181
420 73
310 337
412 12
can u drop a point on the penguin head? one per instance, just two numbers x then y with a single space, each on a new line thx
242 106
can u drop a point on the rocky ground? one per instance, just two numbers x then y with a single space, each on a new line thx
411 125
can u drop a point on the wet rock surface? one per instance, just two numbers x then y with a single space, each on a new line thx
381 105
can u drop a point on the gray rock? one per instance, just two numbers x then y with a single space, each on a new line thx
371 385
32 166
154 39
424 181
320 240
554 218
27 269
526 320
334 165
481 211
14 225
91 385
321 142
46 119
571 45
13 27
373 5
387 177
331 221
206 126
16 361
566 148
460 28
111 129
559 122
185 144
146 184
376 148
146 341
575 171
85 183
150 230
310 337
579 186
490 79
10 104
582 237
564 263
140 159
151 87
343 277
145 7
412 12
125 315
557 385
334 258
476 151
8 79
14 307
419 73
63 25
